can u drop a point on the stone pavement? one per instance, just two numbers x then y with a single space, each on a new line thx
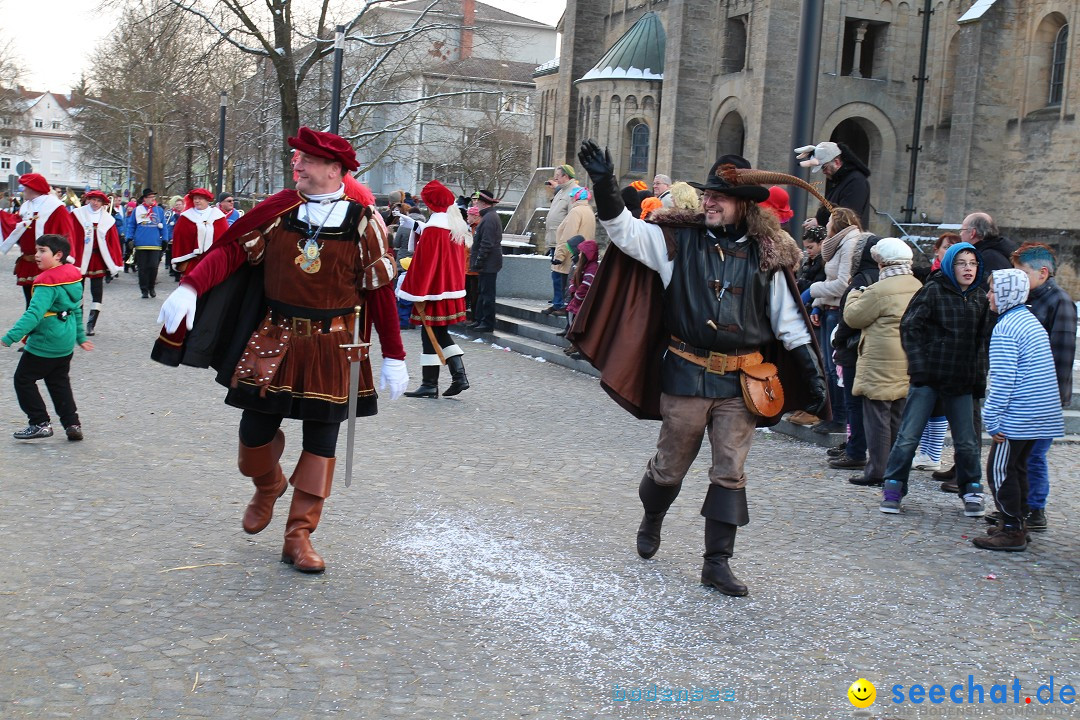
482 565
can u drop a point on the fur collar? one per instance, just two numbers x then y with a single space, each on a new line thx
777 250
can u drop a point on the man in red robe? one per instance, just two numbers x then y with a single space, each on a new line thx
99 255
41 214
287 277
435 285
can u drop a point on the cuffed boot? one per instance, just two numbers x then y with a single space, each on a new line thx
719 547
656 499
456 364
261 465
91 319
724 510
429 388
311 481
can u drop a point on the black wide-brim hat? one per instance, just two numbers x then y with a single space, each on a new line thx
756 193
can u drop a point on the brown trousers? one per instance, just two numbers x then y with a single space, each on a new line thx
685 420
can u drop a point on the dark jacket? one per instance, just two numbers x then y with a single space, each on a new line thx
946 332
996 252
1053 307
810 272
486 255
846 339
849 188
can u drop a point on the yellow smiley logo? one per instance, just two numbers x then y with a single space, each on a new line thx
862 693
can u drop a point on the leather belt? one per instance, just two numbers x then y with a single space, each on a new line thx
305 327
714 362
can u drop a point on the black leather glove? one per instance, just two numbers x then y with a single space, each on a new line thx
810 364
601 169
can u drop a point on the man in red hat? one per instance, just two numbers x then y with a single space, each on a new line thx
435 285
99 254
728 302
196 230
288 276
41 213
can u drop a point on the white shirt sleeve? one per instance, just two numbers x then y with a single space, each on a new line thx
787 323
642 241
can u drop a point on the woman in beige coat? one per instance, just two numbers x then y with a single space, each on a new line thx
882 377
579 220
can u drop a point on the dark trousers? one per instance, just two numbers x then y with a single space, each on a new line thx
257 429
484 312
97 288
54 371
1007 475
881 420
28 290
856 442
471 288
147 261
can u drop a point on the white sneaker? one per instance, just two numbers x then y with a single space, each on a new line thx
922 461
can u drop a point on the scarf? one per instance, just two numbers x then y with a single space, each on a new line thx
892 270
833 243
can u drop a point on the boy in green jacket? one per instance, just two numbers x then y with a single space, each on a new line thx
51 326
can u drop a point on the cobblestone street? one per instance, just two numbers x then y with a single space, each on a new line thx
482 564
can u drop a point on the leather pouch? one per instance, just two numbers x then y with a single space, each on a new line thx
262 356
761 389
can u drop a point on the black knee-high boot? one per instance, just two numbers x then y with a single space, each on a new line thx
656 499
456 364
429 388
724 510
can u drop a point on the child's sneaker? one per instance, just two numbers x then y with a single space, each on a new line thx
32 432
892 494
74 432
973 505
922 461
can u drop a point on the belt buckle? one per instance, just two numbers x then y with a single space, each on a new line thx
301 326
717 363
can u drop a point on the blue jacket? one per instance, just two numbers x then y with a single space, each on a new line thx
149 233
170 225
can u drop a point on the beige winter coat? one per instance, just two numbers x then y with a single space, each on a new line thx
560 206
882 370
579 221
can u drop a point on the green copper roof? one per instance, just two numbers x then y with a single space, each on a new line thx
638 54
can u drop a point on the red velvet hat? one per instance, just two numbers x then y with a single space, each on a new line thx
437 196
202 192
325 145
35 182
96 194
779 203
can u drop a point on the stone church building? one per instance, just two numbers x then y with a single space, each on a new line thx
669 85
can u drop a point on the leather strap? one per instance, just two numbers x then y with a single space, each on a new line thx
714 362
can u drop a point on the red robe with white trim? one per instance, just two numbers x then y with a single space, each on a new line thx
99 254
193 236
41 216
436 276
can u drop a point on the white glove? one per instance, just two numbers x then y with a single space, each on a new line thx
180 305
160 226
393 374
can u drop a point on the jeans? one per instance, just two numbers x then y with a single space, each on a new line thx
558 286
920 405
1038 475
856 442
829 321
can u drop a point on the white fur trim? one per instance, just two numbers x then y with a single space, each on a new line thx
452 351
429 360
107 221
437 220
428 298
95 306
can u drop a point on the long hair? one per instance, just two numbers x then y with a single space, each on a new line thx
459 230
760 223
843 218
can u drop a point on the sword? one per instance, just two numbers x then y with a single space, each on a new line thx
354 387
430 333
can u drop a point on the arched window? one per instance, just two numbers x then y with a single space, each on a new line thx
639 149
1057 65
596 117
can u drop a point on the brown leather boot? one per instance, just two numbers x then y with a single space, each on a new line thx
311 486
261 465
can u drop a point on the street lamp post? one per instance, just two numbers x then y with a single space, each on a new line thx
335 93
150 160
221 145
806 77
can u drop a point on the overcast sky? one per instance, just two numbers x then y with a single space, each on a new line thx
56 45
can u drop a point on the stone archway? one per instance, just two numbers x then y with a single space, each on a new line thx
730 136
851 133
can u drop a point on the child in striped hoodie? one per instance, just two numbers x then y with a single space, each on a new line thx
1022 405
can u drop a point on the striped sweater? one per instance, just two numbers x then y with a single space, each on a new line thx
1022 402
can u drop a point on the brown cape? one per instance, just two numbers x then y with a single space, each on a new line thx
620 327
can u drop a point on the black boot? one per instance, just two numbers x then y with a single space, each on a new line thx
656 499
429 388
719 546
724 510
456 364
91 321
